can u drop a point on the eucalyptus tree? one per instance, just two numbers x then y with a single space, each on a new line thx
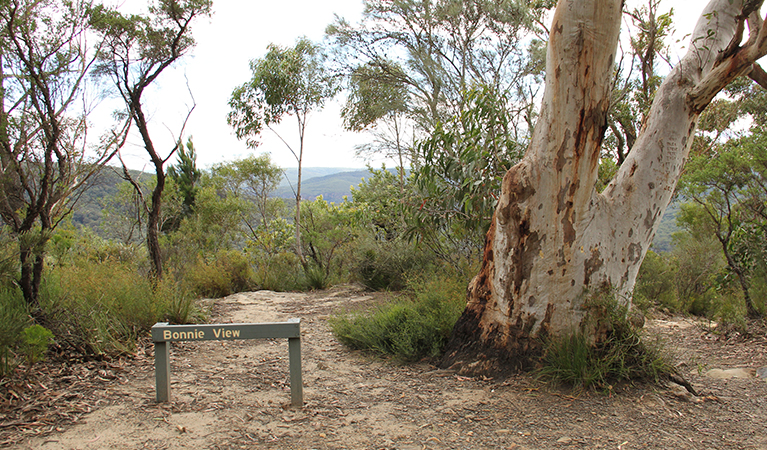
638 79
46 158
136 50
727 188
252 180
285 82
432 52
377 102
555 242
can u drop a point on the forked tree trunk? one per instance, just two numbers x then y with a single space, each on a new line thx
554 240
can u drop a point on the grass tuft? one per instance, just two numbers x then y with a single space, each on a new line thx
620 354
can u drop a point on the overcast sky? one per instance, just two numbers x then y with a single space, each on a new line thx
240 31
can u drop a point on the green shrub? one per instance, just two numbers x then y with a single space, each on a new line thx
35 341
280 272
104 307
225 274
13 319
9 259
408 327
728 309
621 355
655 283
179 305
316 278
385 264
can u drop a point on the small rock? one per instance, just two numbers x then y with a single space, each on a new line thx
762 372
725 374
679 391
564 440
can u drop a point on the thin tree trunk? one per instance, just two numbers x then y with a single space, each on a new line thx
299 249
153 227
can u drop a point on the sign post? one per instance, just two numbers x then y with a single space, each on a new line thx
163 334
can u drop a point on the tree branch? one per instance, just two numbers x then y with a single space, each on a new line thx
759 75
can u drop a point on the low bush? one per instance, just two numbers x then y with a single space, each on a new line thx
103 308
35 340
13 320
655 283
280 272
409 327
228 272
385 264
315 276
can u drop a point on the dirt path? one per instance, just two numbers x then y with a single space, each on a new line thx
235 395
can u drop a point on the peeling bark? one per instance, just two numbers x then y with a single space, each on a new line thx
554 239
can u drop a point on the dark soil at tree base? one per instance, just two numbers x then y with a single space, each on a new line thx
235 395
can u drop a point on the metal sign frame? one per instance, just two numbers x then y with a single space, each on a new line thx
163 334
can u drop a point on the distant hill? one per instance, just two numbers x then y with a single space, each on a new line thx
663 241
87 212
333 186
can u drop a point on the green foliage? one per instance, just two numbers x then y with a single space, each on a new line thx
420 57
286 81
655 283
377 90
465 160
224 274
459 181
328 230
620 354
410 327
382 200
103 307
122 215
607 170
279 272
9 259
35 341
135 51
315 276
13 319
215 224
386 264
727 193
633 95
186 175
250 183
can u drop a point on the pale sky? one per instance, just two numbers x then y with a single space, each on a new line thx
240 31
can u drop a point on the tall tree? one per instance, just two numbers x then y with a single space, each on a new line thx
285 82
137 49
434 51
45 157
728 189
633 95
252 180
555 241
377 102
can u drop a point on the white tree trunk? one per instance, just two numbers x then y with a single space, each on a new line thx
554 240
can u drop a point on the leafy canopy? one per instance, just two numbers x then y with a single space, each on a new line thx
286 81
